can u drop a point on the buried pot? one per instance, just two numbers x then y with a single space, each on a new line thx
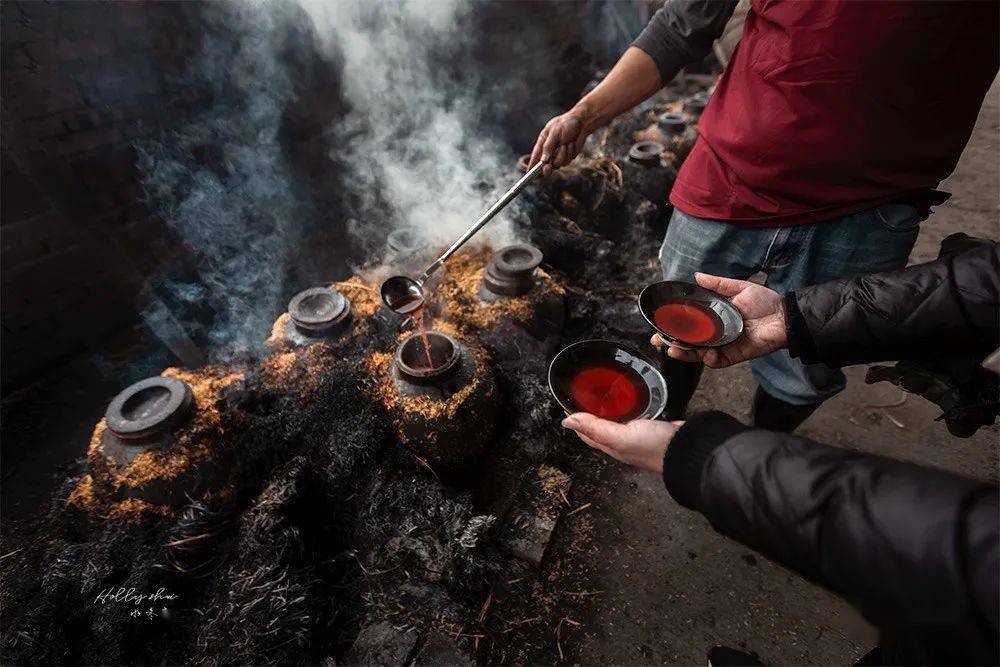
512 273
159 441
485 292
331 314
443 396
315 314
649 174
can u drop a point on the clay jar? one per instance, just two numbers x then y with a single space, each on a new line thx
511 273
445 412
133 452
314 314
650 174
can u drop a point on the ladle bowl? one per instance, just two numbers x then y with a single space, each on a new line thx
728 323
402 294
405 295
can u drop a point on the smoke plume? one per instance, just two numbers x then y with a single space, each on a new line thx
221 181
416 130
414 146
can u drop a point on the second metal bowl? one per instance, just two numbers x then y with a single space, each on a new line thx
677 292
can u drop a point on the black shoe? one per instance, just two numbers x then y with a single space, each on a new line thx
682 379
774 414
723 656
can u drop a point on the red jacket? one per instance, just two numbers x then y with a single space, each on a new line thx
829 108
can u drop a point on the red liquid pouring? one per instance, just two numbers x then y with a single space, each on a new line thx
608 392
688 322
419 315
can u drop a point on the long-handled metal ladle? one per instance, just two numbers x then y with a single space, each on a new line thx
404 295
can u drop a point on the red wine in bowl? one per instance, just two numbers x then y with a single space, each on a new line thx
688 322
616 392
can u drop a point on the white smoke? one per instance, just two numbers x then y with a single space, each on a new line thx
422 88
409 142
220 179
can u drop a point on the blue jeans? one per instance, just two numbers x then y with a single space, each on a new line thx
879 239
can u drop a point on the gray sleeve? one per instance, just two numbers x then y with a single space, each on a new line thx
682 32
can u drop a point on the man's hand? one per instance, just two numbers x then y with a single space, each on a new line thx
633 78
560 141
641 443
763 324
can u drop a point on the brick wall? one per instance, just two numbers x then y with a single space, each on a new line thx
80 82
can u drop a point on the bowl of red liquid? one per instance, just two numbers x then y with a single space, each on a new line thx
689 316
607 379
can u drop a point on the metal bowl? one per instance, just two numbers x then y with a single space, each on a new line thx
571 360
676 291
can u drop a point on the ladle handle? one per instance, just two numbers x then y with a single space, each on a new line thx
483 219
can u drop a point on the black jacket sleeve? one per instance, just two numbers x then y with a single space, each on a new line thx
907 545
682 32
948 306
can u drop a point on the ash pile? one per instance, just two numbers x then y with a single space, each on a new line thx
341 501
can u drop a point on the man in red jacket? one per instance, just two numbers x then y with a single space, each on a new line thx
816 154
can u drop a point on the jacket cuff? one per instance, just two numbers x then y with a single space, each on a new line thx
690 449
800 341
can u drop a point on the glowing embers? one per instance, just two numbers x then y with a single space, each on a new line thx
510 272
445 408
646 152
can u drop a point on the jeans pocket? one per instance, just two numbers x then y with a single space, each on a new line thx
898 217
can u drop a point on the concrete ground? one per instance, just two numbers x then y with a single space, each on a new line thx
668 587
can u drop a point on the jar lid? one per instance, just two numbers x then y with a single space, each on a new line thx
154 405
511 269
317 309
646 152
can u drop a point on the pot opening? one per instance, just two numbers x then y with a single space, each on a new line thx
427 356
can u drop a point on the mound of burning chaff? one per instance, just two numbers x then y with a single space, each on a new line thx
327 540
283 565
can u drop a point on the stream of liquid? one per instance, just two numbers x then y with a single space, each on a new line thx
423 334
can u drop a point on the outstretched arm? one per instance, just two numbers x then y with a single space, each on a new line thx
945 307
907 545
680 33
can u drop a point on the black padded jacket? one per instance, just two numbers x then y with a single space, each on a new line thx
921 312
917 550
